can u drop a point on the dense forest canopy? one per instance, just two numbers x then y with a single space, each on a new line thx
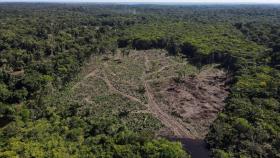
43 47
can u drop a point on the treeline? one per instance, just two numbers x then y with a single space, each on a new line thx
46 50
175 48
42 48
249 124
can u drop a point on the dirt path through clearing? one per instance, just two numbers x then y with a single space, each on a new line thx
91 74
112 88
186 107
178 129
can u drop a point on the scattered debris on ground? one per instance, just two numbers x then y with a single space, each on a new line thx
195 101
186 106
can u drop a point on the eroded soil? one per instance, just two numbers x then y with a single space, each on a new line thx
185 105
195 100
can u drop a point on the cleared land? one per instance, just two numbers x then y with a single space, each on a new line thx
150 90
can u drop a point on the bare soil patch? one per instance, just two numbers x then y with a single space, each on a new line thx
194 101
147 91
186 109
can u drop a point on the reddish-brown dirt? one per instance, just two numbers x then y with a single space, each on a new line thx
170 122
186 108
194 101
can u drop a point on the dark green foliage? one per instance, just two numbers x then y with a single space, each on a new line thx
43 46
248 126
76 137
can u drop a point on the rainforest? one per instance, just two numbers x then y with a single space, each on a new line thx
93 80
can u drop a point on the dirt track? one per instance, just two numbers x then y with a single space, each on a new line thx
113 89
185 108
195 101
167 120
